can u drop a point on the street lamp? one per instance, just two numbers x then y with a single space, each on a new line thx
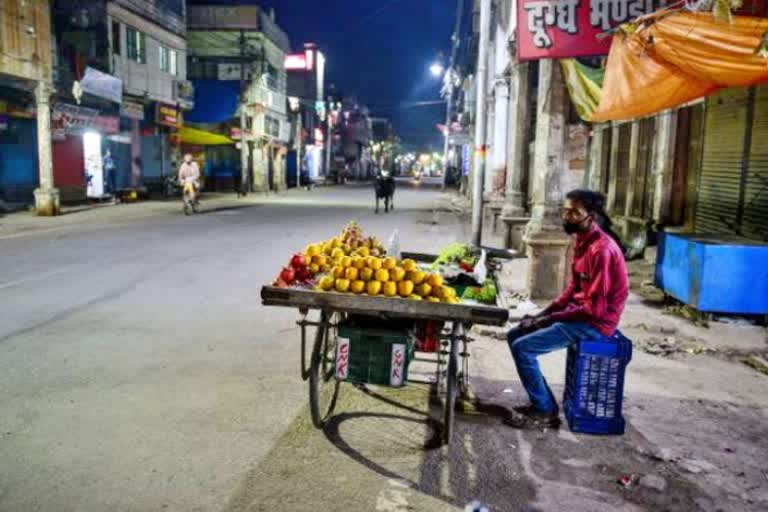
436 69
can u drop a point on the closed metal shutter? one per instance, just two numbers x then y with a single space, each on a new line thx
717 209
642 206
755 211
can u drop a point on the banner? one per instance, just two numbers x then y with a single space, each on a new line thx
556 29
168 115
102 85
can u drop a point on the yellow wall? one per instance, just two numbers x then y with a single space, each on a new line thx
25 39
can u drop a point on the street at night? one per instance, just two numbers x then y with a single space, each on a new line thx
465 255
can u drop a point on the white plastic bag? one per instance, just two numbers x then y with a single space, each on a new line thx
393 247
481 271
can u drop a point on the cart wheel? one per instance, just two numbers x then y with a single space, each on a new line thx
451 389
323 386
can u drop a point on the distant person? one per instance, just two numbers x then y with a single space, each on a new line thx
110 171
589 307
189 174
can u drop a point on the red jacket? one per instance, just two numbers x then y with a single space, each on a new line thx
599 284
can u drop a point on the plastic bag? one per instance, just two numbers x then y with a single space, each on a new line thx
481 271
393 247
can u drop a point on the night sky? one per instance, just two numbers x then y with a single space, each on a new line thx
378 51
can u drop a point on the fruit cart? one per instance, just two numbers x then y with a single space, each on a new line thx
335 308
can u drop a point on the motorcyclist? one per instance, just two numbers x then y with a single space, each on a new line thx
189 177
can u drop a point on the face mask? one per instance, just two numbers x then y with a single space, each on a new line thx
571 227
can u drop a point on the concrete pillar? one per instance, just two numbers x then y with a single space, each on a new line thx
596 159
260 164
47 201
513 214
634 155
663 164
547 242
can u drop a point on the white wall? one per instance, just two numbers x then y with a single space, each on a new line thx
139 79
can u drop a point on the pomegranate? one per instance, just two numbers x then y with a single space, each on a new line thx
298 260
302 274
288 275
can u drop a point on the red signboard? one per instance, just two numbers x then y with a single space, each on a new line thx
556 29
296 61
168 115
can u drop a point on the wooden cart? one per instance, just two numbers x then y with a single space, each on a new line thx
334 307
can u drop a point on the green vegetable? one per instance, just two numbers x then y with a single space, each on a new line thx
485 294
454 253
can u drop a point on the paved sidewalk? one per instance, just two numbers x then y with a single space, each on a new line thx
697 419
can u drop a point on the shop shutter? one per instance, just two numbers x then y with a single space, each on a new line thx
755 212
719 187
643 197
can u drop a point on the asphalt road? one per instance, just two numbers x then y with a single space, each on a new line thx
138 369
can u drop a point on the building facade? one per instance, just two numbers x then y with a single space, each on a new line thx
237 53
25 90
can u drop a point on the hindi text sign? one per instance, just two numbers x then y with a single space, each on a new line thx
556 29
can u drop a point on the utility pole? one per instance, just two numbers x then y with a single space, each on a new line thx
455 42
244 153
328 138
478 182
299 129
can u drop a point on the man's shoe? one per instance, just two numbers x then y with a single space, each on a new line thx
529 408
534 420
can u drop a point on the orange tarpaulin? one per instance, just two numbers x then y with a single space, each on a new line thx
677 57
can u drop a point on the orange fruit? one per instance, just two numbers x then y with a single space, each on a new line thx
382 275
389 263
374 263
433 299
319 260
415 297
337 254
342 285
409 265
390 289
351 273
346 261
327 283
357 286
313 250
337 272
373 287
435 280
358 262
405 288
397 274
314 268
417 276
366 274
364 252
424 290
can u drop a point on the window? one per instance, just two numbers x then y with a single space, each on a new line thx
165 64
173 62
137 49
117 42
272 126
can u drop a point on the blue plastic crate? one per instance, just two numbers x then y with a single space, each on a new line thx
594 385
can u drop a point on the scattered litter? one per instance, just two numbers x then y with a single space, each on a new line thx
526 307
653 482
688 313
697 466
626 480
735 320
508 390
728 449
670 345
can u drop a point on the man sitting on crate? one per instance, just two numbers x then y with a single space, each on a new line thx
589 308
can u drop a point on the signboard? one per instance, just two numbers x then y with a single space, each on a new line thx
67 118
184 93
107 124
397 369
296 61
555 29
132 110
102 85
342 358
168 115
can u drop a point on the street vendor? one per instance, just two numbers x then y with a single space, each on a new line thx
589 307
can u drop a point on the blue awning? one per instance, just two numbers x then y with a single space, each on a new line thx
215 101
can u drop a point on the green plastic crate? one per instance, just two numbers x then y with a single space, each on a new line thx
366 355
